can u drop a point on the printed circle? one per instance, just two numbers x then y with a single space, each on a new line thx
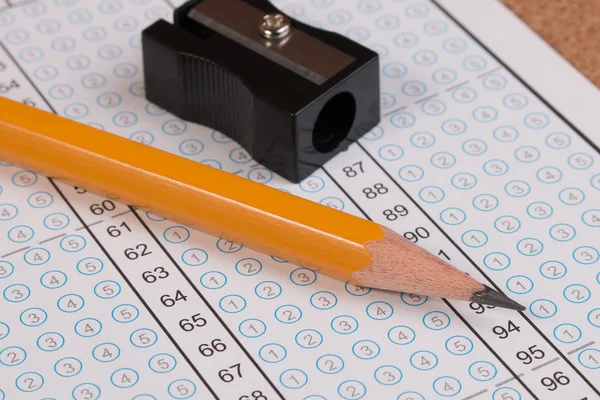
303 276
517 188
107 289
436 320
401 335
143 338
530 247
444 76
312 184
527 154
433 107
431 194
474 147
162 363
589 217
228 246
248 266
506 134
406 40
4 330
252 328
496 261
413 300
16 293
90 266
507 224
56 221
232 303
464 95
12 356
125 313
558 140
594 317
366 349
519 284
453 216
355 290
443 160
374 134
88 327
86 391
268 290
388 375
422 140
176 234
213 280
567 333
553 270
142 137
272 353
106 352
495 167
562 232
391 152
36 256
482 371
474 238
182 389
411 173
413 88
571 196
424 360
50 341
194 257
543 308
72 243
330 364
33 317
6 269
25 179
485 202
459 345
293 378
351 390
309 339
70 303
536 120
454 127
344 324
410 396
29 382
447 386
380 310
577 293
288 314
323 300
485 114
68 367
124 378
539 210
260 175
589 358
402 119
464 181
515 101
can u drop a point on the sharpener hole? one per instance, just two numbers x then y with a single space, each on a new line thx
334 122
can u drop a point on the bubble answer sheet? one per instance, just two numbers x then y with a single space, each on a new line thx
103 301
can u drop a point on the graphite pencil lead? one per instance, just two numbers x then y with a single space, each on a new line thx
490 297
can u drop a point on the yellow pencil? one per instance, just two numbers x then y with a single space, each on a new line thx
303 232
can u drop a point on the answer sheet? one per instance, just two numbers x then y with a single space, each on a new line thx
103 301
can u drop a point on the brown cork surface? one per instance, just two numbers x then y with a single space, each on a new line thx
572 27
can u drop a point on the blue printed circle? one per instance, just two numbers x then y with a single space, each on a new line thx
40 199
543 308
482 371
124 378
16 293
391 152
564 333
352 390
496 261
459 345
444 383
33 317
506 134
431 194
423 360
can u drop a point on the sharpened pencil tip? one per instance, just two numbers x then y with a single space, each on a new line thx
490 297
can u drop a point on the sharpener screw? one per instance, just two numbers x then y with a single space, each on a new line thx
274 26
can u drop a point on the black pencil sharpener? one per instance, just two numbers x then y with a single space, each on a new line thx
291 94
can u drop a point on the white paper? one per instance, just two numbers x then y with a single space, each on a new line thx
467 160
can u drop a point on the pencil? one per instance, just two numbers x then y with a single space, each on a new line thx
331 242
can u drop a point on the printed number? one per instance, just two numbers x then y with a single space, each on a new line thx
420 232
168 301
227 377
196 321
479 308
398 211
6 87
504 332
207 350
551 383
379 189
142 250
443 253
79 190
256 395
351 172
115 232
149 277
106 205
531 353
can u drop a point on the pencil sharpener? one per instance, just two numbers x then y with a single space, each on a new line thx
291 94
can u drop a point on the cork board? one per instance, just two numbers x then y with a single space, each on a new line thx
571 27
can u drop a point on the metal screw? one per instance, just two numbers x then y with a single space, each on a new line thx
274 26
